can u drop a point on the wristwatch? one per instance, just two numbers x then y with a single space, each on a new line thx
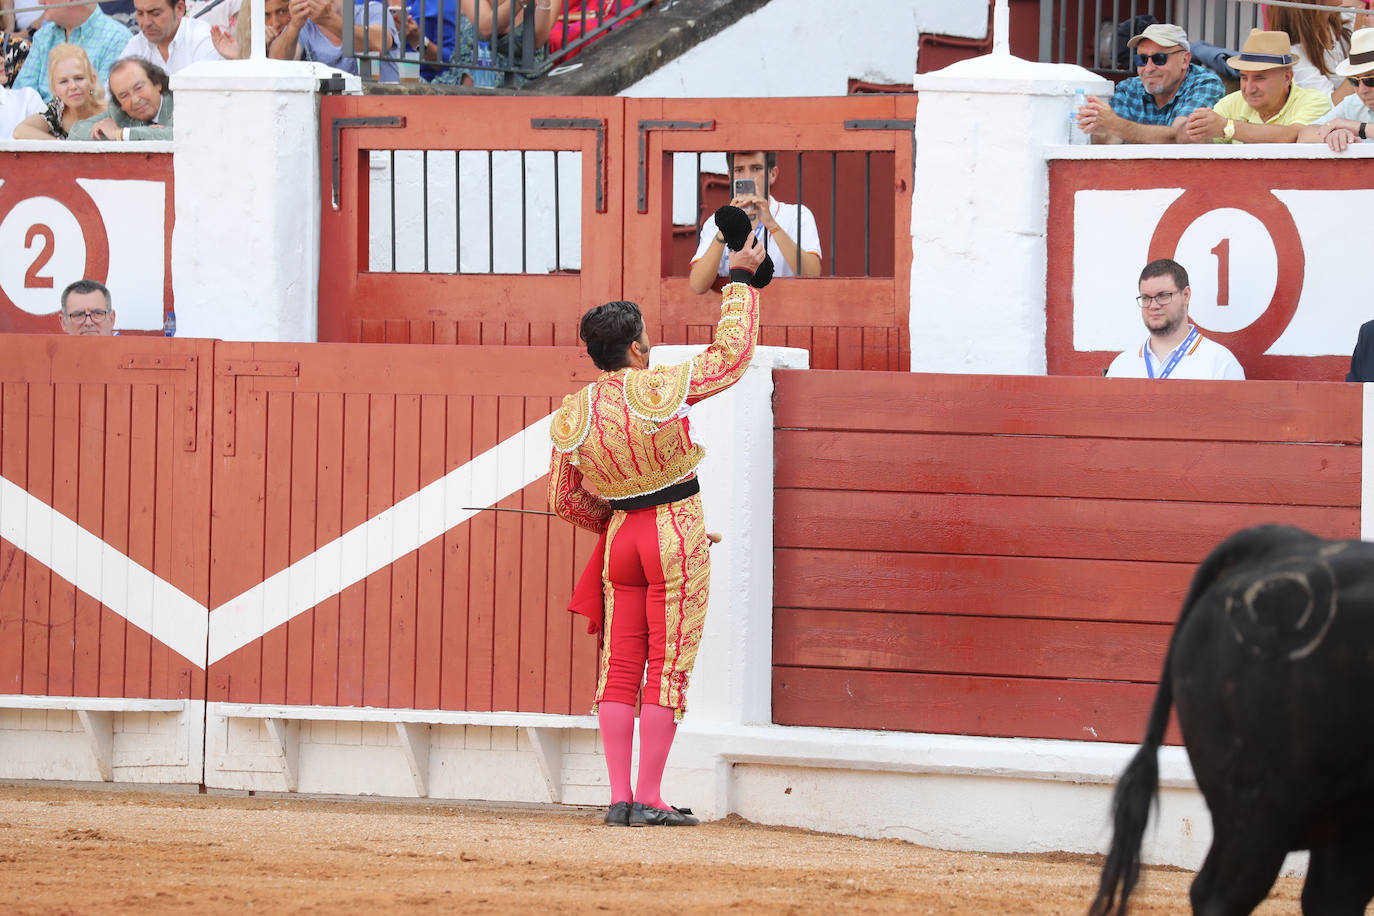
1361 131
1229 131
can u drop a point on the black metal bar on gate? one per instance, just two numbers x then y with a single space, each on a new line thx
834 160
596 124
644 128
796 239
336 126
557 216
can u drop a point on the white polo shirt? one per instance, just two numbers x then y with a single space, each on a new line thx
191 43
1205 359
786 217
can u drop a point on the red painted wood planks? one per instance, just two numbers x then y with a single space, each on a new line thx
924 583
961 705
1031 526
977 646
1116 468
1036 405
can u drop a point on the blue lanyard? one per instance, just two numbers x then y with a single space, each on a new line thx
1174 357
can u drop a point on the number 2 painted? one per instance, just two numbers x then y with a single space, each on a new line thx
1223 253
31 278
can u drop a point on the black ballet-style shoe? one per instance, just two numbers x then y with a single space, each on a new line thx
618 815
734 227
649 816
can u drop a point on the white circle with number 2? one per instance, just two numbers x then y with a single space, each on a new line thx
26 272
1232 268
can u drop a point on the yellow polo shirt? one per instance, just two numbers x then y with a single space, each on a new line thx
1303 107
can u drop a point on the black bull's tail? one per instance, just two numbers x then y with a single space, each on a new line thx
1135 790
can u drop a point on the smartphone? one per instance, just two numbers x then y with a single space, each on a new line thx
745 186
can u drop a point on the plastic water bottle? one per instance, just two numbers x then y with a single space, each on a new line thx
169 324
1076 136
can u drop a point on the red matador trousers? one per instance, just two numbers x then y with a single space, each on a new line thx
655 581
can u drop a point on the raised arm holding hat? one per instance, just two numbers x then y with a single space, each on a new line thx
1348 122
1268 108
1153 106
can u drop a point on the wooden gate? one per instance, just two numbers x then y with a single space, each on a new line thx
848 159
104 516
1006 556
346 571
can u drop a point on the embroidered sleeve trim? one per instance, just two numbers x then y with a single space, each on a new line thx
572 421
657 394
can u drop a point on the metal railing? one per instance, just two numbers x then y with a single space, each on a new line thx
510 56
1085 32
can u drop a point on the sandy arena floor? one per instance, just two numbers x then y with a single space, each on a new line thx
80 851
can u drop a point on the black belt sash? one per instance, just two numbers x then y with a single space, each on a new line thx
680 490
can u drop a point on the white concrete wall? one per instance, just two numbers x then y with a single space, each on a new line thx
979 208
872 40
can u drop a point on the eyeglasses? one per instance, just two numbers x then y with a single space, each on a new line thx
1356 80
1160 298
93 315
1159 59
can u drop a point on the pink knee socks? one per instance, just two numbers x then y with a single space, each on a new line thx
617 722
656 731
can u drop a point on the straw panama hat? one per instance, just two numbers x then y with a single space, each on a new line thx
1263 51
1361 59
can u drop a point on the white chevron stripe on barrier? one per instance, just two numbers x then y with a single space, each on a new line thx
178 620
108 575
382 539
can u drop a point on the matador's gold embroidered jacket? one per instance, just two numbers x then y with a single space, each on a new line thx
627 432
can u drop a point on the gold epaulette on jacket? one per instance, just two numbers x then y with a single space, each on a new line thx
572 421
656 394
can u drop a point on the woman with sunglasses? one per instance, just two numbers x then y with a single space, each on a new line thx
1348 122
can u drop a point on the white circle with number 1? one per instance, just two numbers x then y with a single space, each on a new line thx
44 251
1232 266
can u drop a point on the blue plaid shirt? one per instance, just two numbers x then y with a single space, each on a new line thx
102 37
1201 88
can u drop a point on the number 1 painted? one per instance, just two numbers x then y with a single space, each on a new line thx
1223 253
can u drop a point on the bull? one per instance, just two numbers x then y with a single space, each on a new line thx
1271 667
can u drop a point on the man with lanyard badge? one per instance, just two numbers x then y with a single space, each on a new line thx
1175 348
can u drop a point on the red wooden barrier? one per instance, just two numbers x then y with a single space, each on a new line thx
846 321
112 434
1006 555
68 216
313 442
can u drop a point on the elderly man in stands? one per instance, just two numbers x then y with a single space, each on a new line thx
1153 105
87 310
140 105
1349 121
102 37
315 32
168 37
1268 107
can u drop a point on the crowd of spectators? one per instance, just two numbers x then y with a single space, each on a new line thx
1299 84
461 42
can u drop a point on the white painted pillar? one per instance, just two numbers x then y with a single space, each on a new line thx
979 211
245 248
732 682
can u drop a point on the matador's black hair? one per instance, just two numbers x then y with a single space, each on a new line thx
608 331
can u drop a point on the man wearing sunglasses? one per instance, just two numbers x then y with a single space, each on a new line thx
87 311
1349 121
1268 107
1152 106
1175 348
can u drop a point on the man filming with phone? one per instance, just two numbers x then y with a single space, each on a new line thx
752 175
